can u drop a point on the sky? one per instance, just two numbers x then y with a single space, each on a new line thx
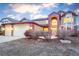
35 10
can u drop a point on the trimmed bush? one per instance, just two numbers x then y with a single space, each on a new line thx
36 34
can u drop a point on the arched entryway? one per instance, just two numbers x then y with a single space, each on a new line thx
54 25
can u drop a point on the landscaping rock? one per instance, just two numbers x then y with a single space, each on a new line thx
65 41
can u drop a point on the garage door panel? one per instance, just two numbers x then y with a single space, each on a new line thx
19 30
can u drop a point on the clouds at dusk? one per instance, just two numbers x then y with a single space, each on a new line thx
34 10
24 8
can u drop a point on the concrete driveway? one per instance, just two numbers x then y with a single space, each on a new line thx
8 38
26 47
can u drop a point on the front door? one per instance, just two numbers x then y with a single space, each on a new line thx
54 25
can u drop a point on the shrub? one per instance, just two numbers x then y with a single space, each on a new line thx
36 34
31 34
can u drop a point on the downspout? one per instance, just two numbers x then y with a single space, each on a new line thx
12 31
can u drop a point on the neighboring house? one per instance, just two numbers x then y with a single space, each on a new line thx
52 24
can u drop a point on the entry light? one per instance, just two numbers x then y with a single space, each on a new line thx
3 28
30 27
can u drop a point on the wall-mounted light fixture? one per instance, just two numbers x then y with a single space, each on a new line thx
30 27
3 28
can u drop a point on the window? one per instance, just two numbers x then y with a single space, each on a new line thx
45 29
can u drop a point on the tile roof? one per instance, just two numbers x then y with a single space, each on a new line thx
24 20
10 19
40 19
73 13
28 23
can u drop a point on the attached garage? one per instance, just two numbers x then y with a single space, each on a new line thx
19 29
16 29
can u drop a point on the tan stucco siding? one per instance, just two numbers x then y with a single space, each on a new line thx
8 30
38 28
42 22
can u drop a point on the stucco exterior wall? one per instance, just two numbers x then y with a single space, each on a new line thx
42 22
38 28
8 30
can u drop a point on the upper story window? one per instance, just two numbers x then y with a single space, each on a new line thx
68 16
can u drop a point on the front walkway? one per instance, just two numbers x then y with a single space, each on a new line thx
8 38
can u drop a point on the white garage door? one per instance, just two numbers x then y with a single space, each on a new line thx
20 29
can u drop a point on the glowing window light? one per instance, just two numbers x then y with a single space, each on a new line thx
54 22
3 29
30 27
45 29
67 20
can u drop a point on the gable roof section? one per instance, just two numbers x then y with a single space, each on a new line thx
26 23
8 19
40 19
61 13
53 13
74 14
24 20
